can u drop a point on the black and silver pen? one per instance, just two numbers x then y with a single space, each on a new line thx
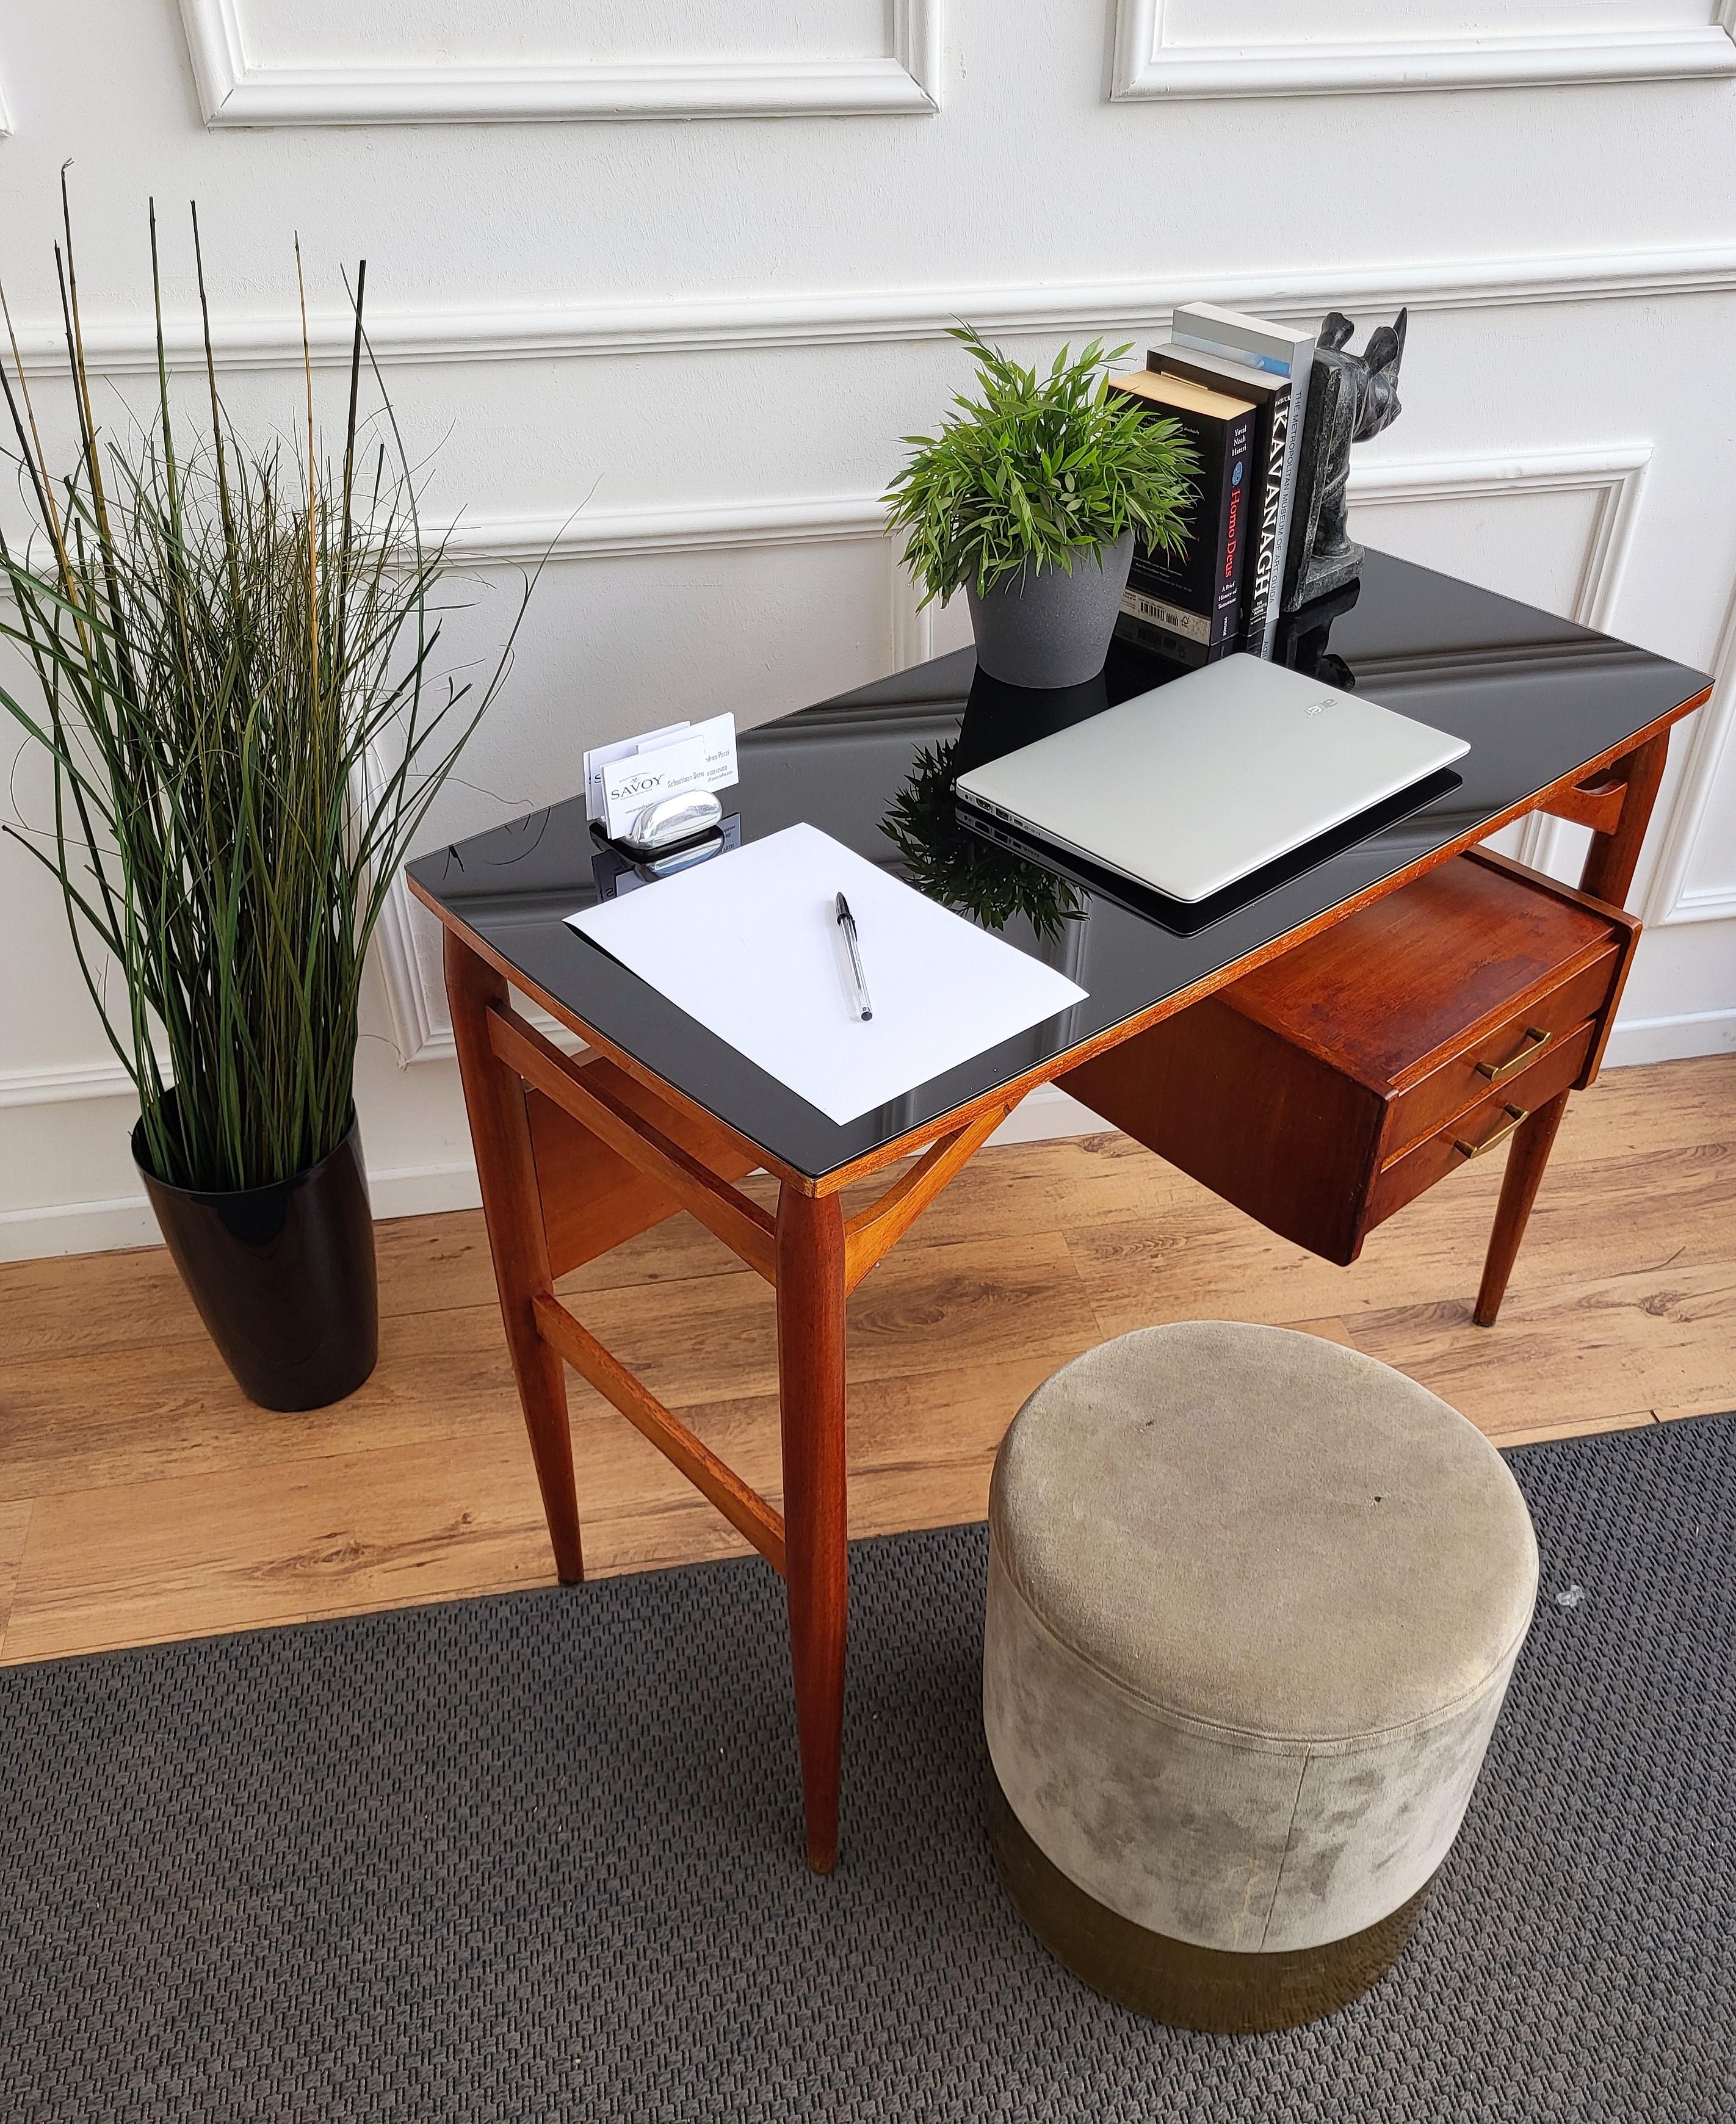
847 923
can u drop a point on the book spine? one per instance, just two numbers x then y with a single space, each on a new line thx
1263 641
1297 414
1271 446
1156 640
1230 560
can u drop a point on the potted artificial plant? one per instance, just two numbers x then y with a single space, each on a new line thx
231 647
1029 500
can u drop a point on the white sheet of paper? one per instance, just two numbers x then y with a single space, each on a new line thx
750 945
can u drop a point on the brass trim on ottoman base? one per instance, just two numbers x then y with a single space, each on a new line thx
1172 1980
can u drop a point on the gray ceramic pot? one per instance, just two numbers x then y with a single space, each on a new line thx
1045 627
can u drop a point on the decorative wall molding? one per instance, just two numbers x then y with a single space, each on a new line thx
410 1190
589 535
1671 1038
65 1082
1148 67
128 1220
1673 897
406 951
580 330
236 90
1614 475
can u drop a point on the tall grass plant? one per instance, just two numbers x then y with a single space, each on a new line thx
234 649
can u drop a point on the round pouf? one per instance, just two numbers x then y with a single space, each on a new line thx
1253 1600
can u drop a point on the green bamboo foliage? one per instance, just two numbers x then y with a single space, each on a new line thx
234 649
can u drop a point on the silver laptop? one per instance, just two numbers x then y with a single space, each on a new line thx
1190 787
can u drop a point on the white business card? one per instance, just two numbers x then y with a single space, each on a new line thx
624 748
717 737
701 758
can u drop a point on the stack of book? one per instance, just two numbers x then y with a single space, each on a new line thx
1238 387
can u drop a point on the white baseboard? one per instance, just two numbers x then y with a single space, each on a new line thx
126 1220
1046 1112
77 1228
420 1191
1672 1039
407 1191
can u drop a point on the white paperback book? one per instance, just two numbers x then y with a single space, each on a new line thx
1278 350
748 945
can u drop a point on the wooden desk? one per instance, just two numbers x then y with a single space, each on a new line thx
576 1155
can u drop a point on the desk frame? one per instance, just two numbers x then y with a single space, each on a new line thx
576 1156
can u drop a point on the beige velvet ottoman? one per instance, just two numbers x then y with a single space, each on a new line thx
1253 1603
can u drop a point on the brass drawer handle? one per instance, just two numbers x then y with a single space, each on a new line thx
1515 1115
1497 1073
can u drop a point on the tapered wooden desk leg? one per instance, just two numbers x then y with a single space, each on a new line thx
810 1373
500 1130
1610 859
1526 1158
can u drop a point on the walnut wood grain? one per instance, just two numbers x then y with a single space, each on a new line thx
1328 1088
1449 963
1609 862
745 1509
500 1132
1519 1183
593 1199
1438 1156
811 1367
742 1225
1596 804
1300 1155
872 1232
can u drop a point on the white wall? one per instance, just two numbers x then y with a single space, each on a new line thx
688 265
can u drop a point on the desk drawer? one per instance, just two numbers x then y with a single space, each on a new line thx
1403 1178
1427 1105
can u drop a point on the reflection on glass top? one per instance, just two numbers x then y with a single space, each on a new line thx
1536 697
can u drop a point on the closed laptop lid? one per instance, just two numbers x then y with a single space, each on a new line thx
1191 787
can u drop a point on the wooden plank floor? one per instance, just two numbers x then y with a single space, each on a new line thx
141 1498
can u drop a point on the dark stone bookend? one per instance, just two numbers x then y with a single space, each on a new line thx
1351 397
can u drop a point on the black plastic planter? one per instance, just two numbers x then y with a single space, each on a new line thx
282 1275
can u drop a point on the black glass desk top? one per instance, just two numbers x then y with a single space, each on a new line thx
1537 699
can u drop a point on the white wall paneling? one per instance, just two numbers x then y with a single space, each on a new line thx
1702 817
1533 47
1608 480
63 1083
414 87
408 948
892 317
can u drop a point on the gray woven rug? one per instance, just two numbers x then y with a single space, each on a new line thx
536 1858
